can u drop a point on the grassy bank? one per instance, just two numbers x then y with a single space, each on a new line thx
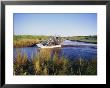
46 64
27 40
89 39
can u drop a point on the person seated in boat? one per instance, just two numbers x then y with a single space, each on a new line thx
52 41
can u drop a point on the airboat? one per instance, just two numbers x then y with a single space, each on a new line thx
52 42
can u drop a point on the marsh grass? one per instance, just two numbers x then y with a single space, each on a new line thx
44 63
89 39
22 66
84 67
27 40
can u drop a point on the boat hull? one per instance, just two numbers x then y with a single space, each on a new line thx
56 46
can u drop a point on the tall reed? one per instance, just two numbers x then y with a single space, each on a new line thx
44 63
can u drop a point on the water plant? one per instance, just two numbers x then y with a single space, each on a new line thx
44 63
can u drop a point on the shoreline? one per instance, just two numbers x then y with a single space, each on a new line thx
84 41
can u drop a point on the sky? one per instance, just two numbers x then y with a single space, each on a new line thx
63 24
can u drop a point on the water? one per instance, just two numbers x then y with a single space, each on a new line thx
82 50
29 51
68 42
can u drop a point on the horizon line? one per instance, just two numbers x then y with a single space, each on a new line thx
53 35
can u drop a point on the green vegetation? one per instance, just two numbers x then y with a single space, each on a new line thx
28 40
45 64
89 39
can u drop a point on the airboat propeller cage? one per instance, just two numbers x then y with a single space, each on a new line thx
53 40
